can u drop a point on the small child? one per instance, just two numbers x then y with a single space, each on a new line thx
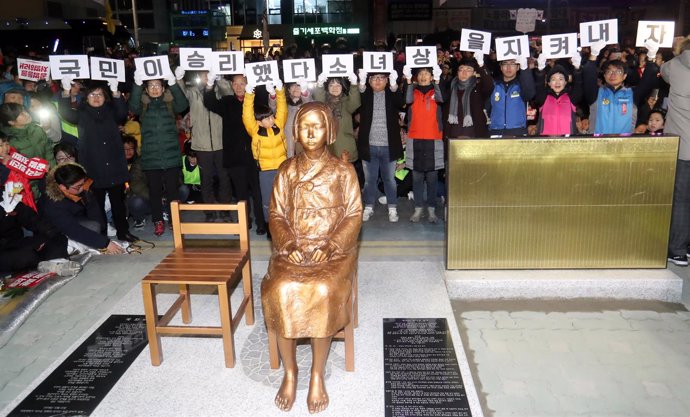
655 124
191 175
268 136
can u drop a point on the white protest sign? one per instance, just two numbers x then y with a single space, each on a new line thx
559 46
31 70
420 56
227 62
660 32
600 30
299 69
153 67
374 62
512 47
526 20
262 73
195 59
69 66
475 41
338 65
107 69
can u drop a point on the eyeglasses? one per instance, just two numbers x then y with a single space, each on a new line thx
155 86
466 70
378 77
509 64
614 72
128 148
96 95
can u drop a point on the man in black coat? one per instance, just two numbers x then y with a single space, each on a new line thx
237 146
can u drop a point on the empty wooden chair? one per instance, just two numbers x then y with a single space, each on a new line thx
214 266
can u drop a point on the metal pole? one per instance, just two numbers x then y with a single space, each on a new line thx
135 21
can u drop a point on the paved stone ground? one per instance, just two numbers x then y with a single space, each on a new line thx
540 358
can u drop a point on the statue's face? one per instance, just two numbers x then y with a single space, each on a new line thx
312 131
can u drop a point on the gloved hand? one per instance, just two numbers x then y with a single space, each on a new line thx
249 88
138 75
321 80
576 60
179 73
407 73
362 76
11 196
270 89
278 84
303 86
393 79
479 56
171 79
541 62
522 61
67 83
436 72
113 85
352 78
596 48
652 48
210 79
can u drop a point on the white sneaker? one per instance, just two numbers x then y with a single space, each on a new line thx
383 200
393 214
410 196
111 230
432 215
368 212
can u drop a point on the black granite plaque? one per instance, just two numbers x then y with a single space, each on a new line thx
421 373
79 384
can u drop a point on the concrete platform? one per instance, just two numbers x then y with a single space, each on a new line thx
634 284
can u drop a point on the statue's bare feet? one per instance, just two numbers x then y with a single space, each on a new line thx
317 399
287 392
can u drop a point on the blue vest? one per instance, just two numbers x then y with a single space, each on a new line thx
614 111
508 110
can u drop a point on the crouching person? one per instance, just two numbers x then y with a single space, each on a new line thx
70 205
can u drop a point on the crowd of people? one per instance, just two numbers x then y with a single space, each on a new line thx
120 152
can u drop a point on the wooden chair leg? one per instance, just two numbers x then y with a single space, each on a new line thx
273 354
151 311
226 325
355 299
186 304
248 293
349 347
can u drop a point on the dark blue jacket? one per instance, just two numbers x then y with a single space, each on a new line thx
508 102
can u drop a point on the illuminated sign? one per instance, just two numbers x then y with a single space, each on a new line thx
325 30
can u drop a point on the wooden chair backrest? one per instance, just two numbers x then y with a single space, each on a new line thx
201 228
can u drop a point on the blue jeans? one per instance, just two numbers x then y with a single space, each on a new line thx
419 179
266 185
379 160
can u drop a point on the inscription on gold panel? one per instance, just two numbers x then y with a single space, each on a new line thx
538 203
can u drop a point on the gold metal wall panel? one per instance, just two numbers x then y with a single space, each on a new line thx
543 203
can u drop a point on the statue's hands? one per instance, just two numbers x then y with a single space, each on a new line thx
323 253
294 254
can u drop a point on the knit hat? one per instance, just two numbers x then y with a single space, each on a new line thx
557 69
469 62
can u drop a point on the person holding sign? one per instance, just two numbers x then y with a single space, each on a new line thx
508 101
268 136
100 146
316 216
557 98
424 137
613 106
161 160
676 72
469 90
379 144
342 96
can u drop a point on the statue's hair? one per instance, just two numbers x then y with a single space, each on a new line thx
326 113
